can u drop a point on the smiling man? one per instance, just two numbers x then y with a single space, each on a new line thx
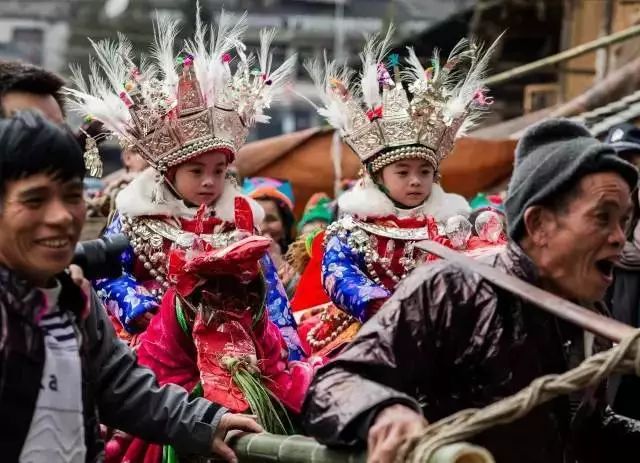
62 370
449 340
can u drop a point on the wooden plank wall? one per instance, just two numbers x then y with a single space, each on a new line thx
587 20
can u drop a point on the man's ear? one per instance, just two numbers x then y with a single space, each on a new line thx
538 222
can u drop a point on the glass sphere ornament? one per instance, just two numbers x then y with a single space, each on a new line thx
489 226
458 230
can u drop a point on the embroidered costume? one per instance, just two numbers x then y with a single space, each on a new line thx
371 248
224 328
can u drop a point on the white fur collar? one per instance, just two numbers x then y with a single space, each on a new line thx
366 200
135 201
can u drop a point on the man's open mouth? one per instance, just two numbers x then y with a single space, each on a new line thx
605 267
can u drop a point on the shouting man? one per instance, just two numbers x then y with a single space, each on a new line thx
449 340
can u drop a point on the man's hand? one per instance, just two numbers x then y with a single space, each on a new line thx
77 275
392 426
232 422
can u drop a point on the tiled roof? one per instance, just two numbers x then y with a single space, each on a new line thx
601 119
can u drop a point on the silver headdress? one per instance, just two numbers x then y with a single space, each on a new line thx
382 122
173 108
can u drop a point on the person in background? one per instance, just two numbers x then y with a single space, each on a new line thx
276 198
625 139
134 165
318 214
25 86
62 369
623 296
449 340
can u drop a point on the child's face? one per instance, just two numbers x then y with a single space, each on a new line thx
408 181
201 180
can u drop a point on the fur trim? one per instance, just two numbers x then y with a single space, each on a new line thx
135 201
365 200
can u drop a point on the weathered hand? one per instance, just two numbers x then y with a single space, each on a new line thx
228 423
392 426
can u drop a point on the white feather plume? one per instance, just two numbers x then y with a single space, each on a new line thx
78 79
165 32
228 37
113 75
465 90
265 58
375 50
332 108
414 69
210 71
111 62
267 84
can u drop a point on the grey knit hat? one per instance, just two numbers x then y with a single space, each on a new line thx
550 157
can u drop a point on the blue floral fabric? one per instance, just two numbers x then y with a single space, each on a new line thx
279 309
346 283
126 299
123 297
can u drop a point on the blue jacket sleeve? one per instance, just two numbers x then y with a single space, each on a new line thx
346 284
279 309
123 297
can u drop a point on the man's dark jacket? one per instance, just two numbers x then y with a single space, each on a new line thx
449 340
115 390
624 301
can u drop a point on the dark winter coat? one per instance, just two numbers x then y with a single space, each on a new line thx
115 390
449 340
624 301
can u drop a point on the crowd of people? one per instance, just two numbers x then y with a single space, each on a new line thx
229 315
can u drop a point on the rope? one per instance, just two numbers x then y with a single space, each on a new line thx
460 426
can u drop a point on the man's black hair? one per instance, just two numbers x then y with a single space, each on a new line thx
30 145
18 76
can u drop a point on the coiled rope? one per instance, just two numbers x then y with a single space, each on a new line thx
623 358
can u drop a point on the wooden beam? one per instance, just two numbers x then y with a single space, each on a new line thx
564 55
555 305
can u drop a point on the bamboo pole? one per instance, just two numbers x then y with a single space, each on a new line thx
260 448
564 55
586 319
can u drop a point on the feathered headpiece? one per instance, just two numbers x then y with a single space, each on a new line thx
174 107
382 122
